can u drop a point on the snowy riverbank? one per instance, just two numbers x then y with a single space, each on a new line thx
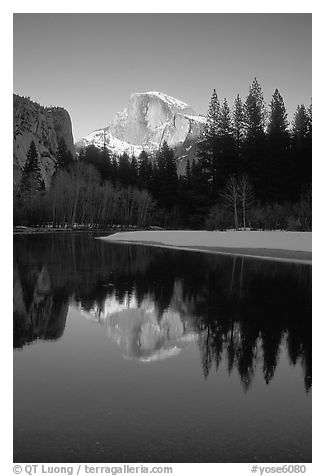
278 245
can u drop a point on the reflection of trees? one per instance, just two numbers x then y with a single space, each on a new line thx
268 303
243 309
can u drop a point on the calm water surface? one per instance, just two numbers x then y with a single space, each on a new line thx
127 353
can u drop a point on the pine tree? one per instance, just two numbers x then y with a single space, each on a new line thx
171 171
310 117
133 171
31 178
227 159
166 177
278 123
278 160
30 187
301 126
238 125
124 169
145 170
64 158
225 125
198 196
92 155
211 129
209 149
105 163
254 146
302 147
154 183
255 112
185 194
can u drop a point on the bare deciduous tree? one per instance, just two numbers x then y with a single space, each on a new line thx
230 196
77 196
246 195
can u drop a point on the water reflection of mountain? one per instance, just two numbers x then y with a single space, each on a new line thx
242 310
139 330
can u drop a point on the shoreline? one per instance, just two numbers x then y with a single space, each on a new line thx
250 248
40 231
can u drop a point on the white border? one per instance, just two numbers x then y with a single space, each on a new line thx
7 8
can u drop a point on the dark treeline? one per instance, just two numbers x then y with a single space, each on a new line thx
80 193
223 297
251 170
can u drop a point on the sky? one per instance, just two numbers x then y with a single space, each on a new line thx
90 64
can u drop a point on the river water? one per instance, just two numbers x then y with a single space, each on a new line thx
128 353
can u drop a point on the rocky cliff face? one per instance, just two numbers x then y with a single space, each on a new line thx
148 120
45 126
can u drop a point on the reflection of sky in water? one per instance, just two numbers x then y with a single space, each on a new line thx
138 329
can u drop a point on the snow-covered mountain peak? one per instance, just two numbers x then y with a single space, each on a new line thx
169 100
149 119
